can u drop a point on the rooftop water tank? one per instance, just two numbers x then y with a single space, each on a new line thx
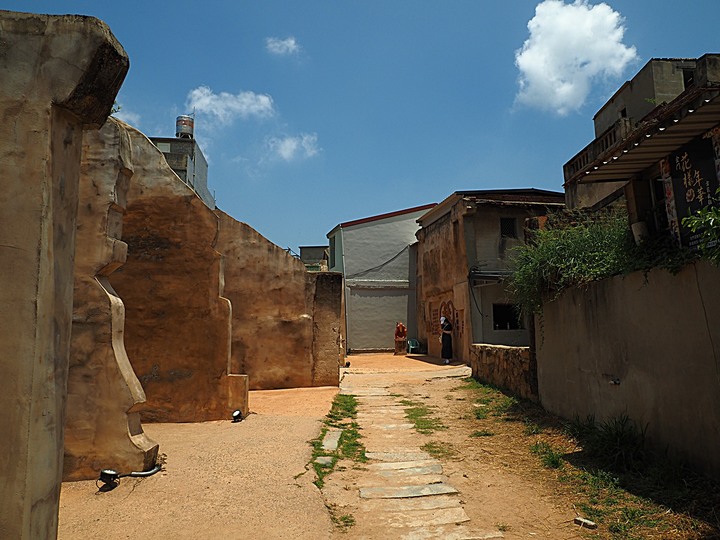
184 126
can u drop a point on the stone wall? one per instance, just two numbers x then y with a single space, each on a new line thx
286 321
102 425
506 367
177 328
46 100
642 346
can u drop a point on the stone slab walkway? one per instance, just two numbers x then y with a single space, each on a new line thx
402 490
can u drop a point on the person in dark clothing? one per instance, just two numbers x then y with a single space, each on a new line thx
446 339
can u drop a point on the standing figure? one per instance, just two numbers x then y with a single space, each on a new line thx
446 339
400 338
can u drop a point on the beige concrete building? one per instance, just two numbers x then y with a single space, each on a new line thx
463 255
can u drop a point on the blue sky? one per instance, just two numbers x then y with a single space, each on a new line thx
313 113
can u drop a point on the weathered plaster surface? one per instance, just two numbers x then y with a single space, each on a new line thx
442 272
177 326
102 425
286 321
45 101
644 346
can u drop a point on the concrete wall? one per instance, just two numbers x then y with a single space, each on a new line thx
46 100
578 196
177 328
286 321
645 347
506 367
657 82
486 247
102 425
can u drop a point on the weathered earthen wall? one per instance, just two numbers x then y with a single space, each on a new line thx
177 326
286 321
647 347
59 74
102 425
506 367
442 280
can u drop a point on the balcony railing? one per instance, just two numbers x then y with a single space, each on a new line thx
612 136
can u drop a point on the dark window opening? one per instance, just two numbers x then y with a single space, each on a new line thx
623 113
688 77
506 317
332 252
508 227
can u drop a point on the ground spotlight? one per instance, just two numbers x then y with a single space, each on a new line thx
237 415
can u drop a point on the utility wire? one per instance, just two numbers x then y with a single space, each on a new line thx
379 266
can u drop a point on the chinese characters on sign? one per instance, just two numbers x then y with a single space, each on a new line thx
691 172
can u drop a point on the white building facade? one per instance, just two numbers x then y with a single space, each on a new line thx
377 256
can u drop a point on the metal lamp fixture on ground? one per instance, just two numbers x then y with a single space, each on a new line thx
111 478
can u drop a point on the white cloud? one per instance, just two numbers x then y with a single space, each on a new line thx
226 107
292 148
570 47
127 116
282 47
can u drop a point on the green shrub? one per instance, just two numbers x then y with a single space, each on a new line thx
706 222
574 248
618 442
578 247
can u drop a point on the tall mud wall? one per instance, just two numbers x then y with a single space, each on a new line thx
642 346
177 326
102 425
286 321
58 76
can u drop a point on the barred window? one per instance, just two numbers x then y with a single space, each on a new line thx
508 227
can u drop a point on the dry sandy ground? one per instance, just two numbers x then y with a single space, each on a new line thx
221 480
249 480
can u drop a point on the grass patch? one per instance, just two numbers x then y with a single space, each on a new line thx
618 442
439 449
421 416
342 521
344 407
610 477
480 414
341 416
549 457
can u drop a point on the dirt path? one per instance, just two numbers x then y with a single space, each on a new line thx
250 480
476 496
221 480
